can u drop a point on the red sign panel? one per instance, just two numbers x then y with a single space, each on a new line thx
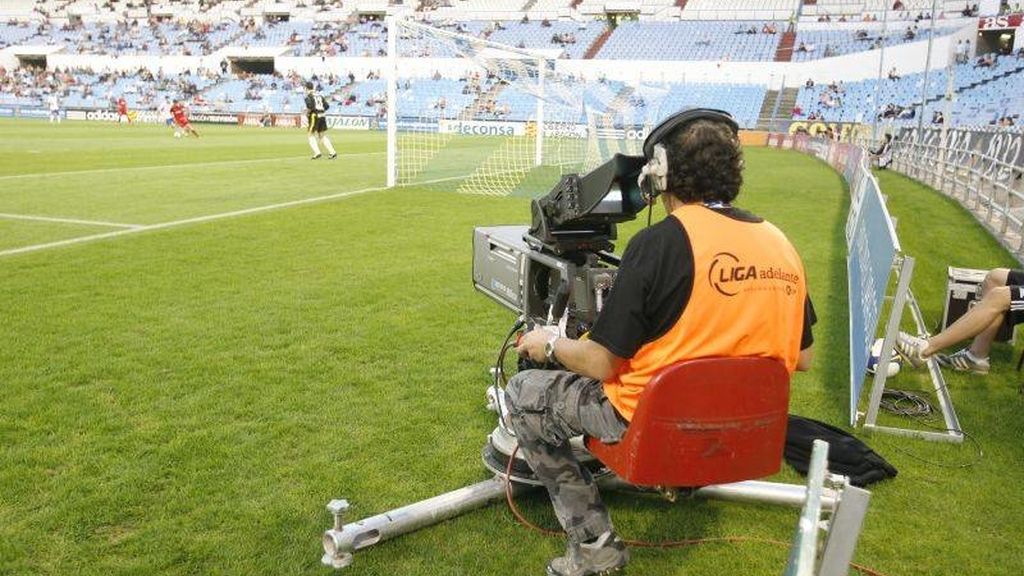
1000 22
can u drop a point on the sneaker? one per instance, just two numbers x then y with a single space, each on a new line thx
332 156
910 348
317 157
964 361
606 555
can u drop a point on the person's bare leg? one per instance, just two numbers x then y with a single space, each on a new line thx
989 311
982 343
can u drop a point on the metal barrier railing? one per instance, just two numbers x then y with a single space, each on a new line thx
991 189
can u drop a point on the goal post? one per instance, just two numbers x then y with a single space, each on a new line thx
479 117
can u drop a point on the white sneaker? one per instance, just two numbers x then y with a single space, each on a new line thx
964 361
911 349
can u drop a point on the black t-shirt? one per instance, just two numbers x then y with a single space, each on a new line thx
653 286
315 103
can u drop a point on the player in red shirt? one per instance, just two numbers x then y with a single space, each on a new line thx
122 111
178 112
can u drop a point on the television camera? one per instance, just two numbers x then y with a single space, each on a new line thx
559 269
555 272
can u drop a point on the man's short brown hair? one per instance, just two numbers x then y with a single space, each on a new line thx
705 162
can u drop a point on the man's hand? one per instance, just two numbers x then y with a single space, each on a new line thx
584 357
531 345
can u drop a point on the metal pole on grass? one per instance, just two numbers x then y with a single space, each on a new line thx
539 152
927 67
392 101
881 65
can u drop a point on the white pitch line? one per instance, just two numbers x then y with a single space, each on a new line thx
68 220
174 166
208 218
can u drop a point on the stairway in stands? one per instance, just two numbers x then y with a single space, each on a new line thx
784 53
777 108
598 43
768 107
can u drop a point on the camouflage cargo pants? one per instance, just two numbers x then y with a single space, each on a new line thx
546 409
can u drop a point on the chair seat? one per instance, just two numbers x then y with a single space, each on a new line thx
704 421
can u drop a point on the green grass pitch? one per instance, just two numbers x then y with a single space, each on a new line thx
184 399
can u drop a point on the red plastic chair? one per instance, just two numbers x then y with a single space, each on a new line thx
705 421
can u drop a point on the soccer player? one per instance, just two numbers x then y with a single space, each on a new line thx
165 112
181 119
54 104
122 111
316 106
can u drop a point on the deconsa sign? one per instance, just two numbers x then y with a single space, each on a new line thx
479 128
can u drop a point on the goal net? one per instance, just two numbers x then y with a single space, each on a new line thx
481 117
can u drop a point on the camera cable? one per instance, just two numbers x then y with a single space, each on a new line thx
917 408
498 382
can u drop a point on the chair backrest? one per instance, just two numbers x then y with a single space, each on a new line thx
705 421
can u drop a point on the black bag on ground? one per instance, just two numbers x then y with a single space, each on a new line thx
847 455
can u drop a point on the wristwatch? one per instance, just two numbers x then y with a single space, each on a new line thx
549 350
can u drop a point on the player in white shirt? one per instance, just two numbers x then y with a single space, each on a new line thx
54 104
165 112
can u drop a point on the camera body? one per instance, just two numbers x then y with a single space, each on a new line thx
559 269
543 287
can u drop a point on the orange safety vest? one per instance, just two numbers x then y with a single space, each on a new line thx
748 297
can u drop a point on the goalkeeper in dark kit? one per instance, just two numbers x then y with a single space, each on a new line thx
316 107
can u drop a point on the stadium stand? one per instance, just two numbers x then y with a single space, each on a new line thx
877 10
740 9
692 40
693 31
984 94
12 34
842 39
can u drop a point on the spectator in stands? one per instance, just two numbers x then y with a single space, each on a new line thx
937 117
893 75
882 154
797 112
769 28
860 34
809 83
986 61
909 34
897 5
829 51
545 23
907 113
961 52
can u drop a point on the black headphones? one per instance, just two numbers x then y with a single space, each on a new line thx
654 174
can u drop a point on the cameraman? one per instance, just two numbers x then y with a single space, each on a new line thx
709 280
